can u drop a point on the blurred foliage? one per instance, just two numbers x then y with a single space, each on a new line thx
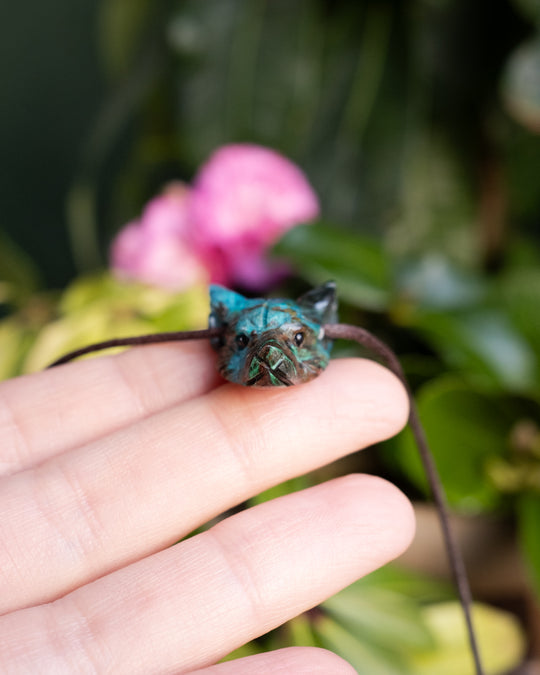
418 123
90 310
382 626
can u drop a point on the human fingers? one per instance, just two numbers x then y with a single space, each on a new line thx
189 605
45 414
89 511
289 661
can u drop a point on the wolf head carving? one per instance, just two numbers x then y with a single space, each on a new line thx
272 342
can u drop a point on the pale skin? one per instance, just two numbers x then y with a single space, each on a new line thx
106 463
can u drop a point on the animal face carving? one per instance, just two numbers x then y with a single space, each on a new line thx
272 343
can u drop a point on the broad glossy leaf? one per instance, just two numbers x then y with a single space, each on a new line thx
484 345
356 263
434 282
464 428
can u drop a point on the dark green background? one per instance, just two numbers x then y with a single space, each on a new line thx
52 87
100 95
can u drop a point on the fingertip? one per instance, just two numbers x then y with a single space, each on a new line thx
381 513
361 387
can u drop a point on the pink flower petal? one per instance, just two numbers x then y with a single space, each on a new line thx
168 211
155 249
247 190
243 199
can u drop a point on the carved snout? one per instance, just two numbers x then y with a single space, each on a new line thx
271 364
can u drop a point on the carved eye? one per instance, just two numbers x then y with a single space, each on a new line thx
299 338
241 341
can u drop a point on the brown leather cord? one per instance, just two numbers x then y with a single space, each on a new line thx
457 564
150 339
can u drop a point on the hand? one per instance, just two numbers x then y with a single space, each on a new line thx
105 464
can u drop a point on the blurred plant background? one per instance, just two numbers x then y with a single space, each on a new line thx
417 122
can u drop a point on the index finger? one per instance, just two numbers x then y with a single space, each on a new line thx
45 414
138 490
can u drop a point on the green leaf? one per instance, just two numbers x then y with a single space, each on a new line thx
464 428
248 649
382 617
356 263
434 282
528 511
484 345
71 332
301 632
292 485
519 291
106 291
100 307
365 658
166 309
501 641
182 311
411 585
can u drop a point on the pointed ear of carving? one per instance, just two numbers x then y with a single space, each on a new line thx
224 303
321 303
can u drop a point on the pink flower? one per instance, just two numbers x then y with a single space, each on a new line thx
156 249
247 191
242 200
